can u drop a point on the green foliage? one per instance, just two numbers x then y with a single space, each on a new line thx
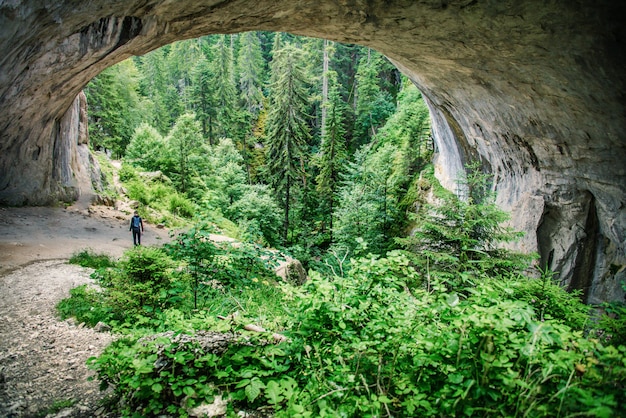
287 129
458 238
128 173
89 258
367 202
251 71
612 323
55 408
86 305
374 103
225 86
409 130
257 214
115 107
550 301
185 151
377 342
222 262
140 284
181 206
379 187
203 96
145 149
333 156
170 374
366 346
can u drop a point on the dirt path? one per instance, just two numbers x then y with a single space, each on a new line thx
42 359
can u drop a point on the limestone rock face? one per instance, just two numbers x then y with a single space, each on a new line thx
532 89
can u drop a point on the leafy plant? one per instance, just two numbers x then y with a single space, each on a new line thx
376 342
612 323
551 301
366 346
86 305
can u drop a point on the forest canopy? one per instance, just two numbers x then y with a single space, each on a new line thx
290 138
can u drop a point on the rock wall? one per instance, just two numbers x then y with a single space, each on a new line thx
532 89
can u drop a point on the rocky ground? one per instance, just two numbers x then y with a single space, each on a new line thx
42 359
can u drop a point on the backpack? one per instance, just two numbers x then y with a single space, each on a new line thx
136 221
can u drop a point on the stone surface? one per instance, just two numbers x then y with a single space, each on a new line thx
43 359
533 89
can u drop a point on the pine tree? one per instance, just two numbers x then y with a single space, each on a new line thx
250 63
373 105
115 107
332 157
156 87
225 89
184 141
203 97
367 205
287 128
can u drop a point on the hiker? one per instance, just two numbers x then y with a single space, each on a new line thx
136 225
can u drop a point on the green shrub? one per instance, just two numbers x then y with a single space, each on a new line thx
88 258
142 283
168 374
160 192
86 304
181 206
552 301
128 173
612 323
139 191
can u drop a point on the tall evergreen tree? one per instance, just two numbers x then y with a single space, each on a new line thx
287 128
184 141
367 206
251 76
115 107
203 97
181 59
155 85
332 156
325 65
373 105
250 65
225 87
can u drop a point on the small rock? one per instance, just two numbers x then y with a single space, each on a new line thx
217 408
102 327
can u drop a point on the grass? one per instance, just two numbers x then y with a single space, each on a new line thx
56 407
88 258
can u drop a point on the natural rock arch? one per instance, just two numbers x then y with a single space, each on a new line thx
533 89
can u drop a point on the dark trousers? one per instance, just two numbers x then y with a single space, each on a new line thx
136 236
